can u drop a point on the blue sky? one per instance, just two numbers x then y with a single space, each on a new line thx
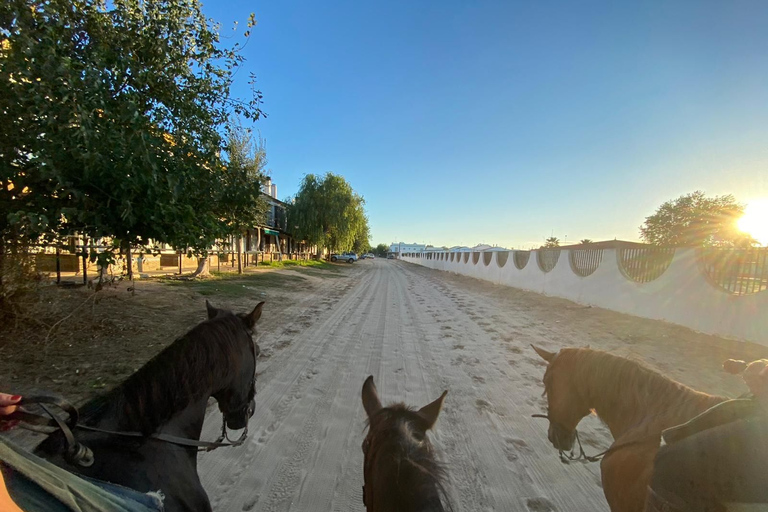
502 122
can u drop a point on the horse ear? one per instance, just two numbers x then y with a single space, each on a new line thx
253 317
371 402
545 355
430 412
212 311
734 366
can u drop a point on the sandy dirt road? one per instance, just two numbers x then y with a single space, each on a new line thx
420 331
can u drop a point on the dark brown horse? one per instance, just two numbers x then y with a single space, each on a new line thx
635 402
169 396
400 470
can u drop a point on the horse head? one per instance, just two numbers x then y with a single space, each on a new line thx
400 469
565 407
236 400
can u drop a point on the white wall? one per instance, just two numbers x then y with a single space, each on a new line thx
682 294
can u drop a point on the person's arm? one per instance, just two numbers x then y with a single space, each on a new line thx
756 377
8 406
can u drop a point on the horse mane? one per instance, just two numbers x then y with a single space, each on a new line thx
411 453
620 383
178 376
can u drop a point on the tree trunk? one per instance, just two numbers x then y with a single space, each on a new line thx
2 267
103 274
239 254
85 260
2 263
202 267
58 264
129 262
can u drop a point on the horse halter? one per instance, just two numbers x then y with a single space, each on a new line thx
77 453
366 447
566 457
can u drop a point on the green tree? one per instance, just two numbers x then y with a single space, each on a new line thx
695 220
113 114
551 242
381 250
362 243
328 213
238 200
586 241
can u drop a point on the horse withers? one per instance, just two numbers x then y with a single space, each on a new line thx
167 398
635 402
400 471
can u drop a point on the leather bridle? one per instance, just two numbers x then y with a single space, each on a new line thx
366 469
79 454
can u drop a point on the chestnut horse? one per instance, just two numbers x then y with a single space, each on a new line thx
635 402
400 471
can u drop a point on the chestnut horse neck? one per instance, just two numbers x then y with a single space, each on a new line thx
626 394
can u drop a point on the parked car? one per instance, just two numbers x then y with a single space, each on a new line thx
368 256
349 257
390 256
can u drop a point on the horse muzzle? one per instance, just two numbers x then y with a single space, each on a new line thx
561 438
239 419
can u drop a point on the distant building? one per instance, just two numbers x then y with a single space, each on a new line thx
402 247
274 236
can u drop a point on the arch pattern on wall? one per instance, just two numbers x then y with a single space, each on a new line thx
521 259
487 257
501 258
547 259
644 264
466 257
584 262
735 271
475 257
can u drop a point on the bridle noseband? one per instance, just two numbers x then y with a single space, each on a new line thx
566 457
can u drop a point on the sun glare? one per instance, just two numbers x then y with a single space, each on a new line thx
755 221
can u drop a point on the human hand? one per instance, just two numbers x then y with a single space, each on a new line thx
756 377
8 406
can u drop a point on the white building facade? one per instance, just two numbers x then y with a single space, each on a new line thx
402 247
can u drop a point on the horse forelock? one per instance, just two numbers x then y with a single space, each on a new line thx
613 382
178 376
405 459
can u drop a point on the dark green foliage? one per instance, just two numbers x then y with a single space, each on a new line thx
112 121
694 220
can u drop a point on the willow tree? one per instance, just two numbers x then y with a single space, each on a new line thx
327 212
113 115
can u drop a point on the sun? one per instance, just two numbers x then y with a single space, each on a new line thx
755 221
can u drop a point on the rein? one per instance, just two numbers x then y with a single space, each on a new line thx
566 457
79 454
